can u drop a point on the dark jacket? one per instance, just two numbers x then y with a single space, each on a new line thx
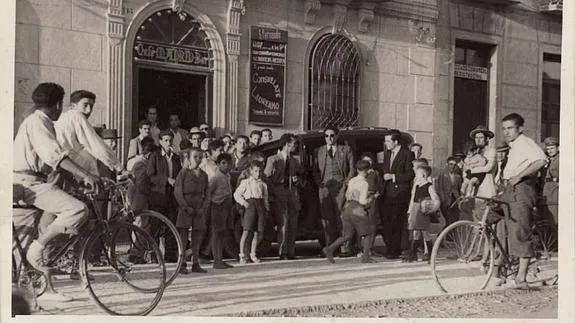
402 168
444 187
344 158
157 170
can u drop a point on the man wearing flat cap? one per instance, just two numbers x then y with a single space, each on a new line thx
551 176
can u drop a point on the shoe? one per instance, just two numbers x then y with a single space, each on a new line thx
35 257
328 254
243 260
222 265
55 297
522 285
255 259
197 269
184 271
76 276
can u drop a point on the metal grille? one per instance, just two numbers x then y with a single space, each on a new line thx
334 83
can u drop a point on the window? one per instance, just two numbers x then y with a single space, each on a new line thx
551 95
333 83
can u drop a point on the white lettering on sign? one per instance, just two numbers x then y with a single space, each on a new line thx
471 72
172 54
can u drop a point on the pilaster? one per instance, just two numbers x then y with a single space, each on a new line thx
366 14
236 10
311 9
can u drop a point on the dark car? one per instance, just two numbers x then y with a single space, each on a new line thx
361 140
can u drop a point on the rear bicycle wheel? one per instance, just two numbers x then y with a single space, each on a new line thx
544 269
166 234
456 263
105 289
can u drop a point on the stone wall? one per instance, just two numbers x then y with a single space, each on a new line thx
60 41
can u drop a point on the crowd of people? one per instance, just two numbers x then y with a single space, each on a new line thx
202 183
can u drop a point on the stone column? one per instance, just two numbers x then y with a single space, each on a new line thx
236 10
115 115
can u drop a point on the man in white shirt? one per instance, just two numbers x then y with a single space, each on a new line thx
135 148
525 159
75 133
179 133
38 154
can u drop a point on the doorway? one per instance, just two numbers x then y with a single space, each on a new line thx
183 93
471 90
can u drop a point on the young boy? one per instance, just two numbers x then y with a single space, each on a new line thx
190 191
220 197
252 195
474 159
355 216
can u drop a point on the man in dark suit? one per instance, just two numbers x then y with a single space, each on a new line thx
448 187
397 176
163 167
333 168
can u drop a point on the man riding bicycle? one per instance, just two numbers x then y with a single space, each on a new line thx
37 158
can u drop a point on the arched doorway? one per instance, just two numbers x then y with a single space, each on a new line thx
333 83
172 69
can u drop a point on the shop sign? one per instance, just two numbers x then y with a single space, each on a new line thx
471 72
148 51
268 56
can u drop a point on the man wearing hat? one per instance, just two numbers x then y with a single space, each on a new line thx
196 137
551 176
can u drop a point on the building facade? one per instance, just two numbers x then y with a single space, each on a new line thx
433 68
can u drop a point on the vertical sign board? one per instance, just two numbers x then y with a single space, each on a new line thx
268 60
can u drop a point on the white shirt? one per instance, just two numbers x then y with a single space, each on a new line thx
74 132
250 188
36 145
522 153
357 190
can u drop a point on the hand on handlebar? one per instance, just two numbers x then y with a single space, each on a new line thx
93 183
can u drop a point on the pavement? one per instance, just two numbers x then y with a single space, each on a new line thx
274 284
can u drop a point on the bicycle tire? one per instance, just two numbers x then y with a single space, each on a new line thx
89 284
171 276
440 279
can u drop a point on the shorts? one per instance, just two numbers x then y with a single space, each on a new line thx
254 215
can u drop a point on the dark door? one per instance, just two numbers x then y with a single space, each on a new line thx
171 92
470 102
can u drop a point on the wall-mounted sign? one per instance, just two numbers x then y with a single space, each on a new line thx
268 56
148 51
471 72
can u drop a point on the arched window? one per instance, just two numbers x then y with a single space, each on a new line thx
333 83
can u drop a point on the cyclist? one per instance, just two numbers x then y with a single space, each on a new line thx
524 161
37 158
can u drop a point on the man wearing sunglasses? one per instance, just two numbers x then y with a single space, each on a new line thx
333 168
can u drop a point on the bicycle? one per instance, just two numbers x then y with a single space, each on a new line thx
470 267
114 239
163 226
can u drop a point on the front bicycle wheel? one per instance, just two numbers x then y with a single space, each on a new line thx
462 259
168 238
105 284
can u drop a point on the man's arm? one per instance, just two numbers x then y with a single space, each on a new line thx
533 168
88 138
133 148
351 163
239 193
179 191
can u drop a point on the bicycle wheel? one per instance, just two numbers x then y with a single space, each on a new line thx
544 269
168 238
105 286
546 238
456 263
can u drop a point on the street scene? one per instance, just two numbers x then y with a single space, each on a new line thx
275 158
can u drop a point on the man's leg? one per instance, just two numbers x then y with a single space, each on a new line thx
197 236
326 205
291 229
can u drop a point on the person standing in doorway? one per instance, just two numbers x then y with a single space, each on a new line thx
283 171
397 177
334 167
524 161
448 185
135 147
551 185
152 117
179 133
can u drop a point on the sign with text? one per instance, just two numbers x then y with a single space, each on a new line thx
268 60
471 72
165 53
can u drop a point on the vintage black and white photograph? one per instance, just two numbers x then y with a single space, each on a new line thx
288 158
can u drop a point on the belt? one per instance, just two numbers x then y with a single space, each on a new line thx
527 180
552 179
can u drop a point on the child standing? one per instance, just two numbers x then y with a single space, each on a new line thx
424 200
190 191
220 197
474 159
252 194
355 217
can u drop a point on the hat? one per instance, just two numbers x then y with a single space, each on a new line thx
482 129
195 130
109 134
551 141
502 148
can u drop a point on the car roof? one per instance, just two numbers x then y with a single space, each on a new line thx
344 134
